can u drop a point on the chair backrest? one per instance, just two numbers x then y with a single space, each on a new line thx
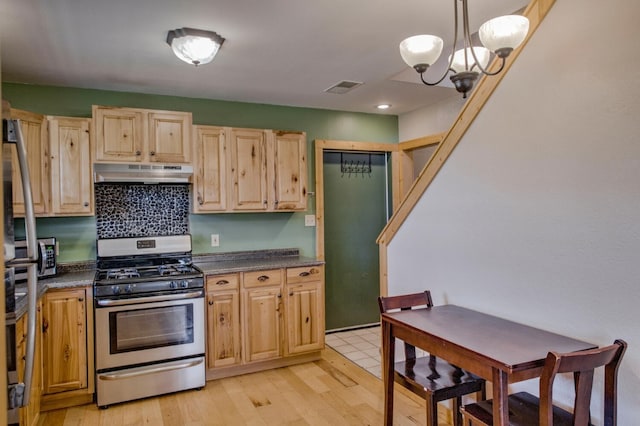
405 301
582 364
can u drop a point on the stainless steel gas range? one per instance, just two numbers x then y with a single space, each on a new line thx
149 318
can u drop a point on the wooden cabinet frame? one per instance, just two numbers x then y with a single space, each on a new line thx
141 135
281 319
249 170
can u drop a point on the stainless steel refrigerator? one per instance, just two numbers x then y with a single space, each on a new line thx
18 392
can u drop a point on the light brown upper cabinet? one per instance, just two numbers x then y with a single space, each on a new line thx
209 165
71 180
141 135
249 170
290 170
34 132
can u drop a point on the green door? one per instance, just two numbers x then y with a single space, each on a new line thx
355 210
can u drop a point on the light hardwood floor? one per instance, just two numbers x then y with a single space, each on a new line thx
332 391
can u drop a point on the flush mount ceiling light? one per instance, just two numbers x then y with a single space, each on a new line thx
197 47
499 35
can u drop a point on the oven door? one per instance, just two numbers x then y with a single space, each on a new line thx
140 330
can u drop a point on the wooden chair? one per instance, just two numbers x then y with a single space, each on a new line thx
526 409
433 379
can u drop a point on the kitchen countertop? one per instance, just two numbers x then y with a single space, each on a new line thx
252 261
69 279
82 274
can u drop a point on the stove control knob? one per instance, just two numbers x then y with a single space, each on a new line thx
115 289
173 284
128 288
184 284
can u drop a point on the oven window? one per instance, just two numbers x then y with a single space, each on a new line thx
139 329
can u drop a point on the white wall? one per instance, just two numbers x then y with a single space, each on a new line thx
536 215
430 120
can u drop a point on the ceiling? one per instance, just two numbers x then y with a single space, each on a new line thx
281 52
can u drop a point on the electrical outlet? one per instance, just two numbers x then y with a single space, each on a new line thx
310 220
215 240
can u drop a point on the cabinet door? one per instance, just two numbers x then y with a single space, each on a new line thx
169 137
120 134
71 180
305 317
30 414
248 169
34 131
65 342
290 171
210 174
223 328
262 323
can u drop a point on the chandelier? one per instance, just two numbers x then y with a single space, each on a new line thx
197 47
499 35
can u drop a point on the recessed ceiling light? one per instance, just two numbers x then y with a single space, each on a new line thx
384 106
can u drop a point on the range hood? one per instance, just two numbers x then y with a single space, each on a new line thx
142 173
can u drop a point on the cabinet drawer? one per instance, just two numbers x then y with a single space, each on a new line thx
304 274
222 282
262 278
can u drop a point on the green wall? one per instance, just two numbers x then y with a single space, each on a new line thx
239 231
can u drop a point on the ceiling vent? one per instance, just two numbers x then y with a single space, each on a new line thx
343 87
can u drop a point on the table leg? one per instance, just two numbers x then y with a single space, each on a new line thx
388 352
500 398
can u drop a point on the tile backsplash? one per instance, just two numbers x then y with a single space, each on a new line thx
136 210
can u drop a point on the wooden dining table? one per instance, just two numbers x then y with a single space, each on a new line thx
496 349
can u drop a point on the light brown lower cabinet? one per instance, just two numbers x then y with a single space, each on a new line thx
67 330
223 321
264 319
305 309
30 414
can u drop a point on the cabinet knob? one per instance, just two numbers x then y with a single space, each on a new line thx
86 204
138 153
152 153
210 302
290 293
80 299
200 200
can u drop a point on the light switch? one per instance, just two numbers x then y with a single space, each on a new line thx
310 220
215 240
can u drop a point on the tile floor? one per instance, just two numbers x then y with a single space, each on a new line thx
362 346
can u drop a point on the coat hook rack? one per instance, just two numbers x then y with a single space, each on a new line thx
355 167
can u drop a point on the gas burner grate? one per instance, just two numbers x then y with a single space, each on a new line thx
176 269
123 273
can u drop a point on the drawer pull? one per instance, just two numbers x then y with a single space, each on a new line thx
304 274
263 278
222 282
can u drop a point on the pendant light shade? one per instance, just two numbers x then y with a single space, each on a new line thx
460 63
197 47
421 50
504 32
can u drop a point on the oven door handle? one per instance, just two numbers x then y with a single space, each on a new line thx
149 299
150 370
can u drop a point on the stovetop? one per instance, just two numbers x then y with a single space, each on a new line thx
137 266
128 273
